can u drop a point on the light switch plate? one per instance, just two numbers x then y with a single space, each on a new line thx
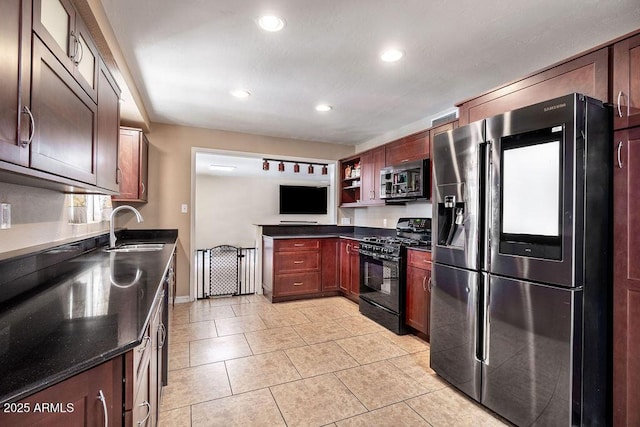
184 208
5 215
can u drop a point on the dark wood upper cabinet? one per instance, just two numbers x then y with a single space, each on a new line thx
15 66
588 74
133 159
626 278
407 149
626 83
108 175
59 26
350 182
372 161
65 117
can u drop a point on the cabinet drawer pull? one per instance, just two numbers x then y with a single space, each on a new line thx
298 262
424 279
102 399
144 420
163 337
32 132
430 284
298 283
143 188
298 244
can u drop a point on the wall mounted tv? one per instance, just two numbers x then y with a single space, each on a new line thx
298 199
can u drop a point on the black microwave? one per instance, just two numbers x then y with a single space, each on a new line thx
409 181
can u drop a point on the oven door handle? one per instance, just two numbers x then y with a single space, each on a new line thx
375 304
378 257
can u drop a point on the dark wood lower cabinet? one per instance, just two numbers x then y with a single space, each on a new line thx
626 278
330 265
418 290
299 268
349 269
143 373
87 399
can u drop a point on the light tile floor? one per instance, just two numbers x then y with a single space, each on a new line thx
242 361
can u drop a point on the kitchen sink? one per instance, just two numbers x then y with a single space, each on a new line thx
137 247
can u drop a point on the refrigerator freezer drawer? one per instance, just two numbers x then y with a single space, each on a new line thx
454 327
533 344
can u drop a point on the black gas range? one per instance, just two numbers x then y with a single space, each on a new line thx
383 271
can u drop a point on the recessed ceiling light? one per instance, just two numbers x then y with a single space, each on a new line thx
391 55
271 23
323 108
223 168
240 93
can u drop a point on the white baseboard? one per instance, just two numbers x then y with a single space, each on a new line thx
183 299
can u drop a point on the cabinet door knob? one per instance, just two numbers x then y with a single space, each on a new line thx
102 399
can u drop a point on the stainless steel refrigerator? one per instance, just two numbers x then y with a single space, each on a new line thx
521 296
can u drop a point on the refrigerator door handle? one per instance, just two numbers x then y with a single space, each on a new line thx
486 320
482 333
485 201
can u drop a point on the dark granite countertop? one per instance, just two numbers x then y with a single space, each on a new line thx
316 236
84 307
323 231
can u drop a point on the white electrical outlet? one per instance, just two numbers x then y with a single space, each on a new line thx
5 215
184 208
384 222
345 221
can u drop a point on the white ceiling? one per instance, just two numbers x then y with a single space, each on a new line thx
187 55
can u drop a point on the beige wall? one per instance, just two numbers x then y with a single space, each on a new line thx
227 208
170 175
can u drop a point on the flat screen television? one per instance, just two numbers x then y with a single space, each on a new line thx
298 199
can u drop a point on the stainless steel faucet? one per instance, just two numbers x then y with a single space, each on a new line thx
112 234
